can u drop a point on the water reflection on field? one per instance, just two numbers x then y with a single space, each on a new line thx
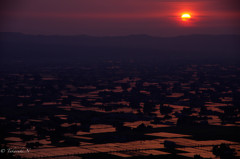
123 113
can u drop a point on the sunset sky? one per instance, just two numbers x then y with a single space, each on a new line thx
120 17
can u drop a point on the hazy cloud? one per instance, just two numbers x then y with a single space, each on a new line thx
117 16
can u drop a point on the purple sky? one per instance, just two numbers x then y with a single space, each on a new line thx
120 17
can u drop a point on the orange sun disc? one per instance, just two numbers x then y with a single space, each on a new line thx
186 16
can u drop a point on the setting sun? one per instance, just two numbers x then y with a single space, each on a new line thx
186 16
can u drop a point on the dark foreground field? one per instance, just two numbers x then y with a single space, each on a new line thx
120 101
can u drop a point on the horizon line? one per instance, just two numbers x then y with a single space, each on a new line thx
102 36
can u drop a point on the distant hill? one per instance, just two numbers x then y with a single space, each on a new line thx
29 48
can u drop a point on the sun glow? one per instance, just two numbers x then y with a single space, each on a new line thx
186 16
